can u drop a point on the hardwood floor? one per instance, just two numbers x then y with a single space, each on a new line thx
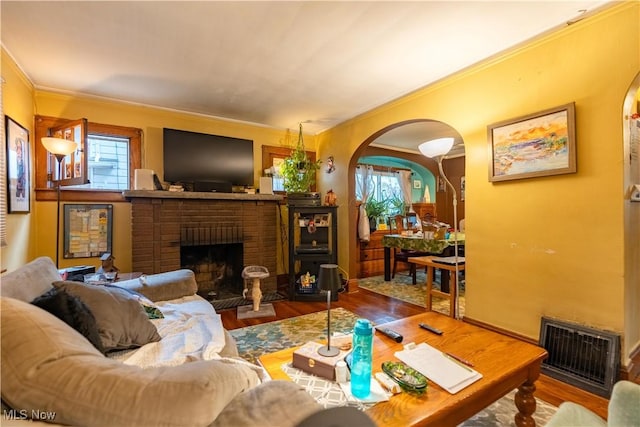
380 309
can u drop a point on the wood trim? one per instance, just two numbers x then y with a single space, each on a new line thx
50 195
135 143
632 372
41 129
46 192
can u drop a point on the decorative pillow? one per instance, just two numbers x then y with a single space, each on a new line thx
122 323
73 312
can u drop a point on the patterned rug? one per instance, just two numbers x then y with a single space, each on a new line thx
400 287
254 341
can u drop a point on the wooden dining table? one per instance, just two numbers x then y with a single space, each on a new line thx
417 243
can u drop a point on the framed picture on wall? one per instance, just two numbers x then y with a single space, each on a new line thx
539 144
18 161
417 184
88 230
462 185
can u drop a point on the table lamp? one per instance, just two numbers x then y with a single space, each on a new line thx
438 148
328 280
60 148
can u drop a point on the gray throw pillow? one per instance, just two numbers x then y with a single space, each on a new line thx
122 322
73 312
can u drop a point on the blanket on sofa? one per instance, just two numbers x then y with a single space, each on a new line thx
191 330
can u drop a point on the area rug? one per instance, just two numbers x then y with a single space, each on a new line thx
254 341
400 287
246 311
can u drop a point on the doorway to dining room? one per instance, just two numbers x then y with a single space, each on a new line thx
393 149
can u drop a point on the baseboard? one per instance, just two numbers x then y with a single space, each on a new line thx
632 371
352 286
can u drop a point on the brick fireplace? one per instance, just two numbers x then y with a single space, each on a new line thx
207 233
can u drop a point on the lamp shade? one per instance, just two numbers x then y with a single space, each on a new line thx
329 278
59 145
436 147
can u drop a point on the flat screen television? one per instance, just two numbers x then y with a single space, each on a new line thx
208 162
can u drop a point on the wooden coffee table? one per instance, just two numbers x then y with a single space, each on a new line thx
505 363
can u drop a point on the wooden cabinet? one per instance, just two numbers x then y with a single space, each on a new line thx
371 260
424 209
313 235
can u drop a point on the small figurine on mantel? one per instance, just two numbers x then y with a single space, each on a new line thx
107 264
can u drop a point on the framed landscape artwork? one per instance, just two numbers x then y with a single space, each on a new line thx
18 161
539 144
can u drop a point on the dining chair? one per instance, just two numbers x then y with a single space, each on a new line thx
403 255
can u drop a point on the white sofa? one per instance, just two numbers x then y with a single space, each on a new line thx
190 377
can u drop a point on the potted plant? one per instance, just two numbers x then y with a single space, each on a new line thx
297 170
397 206
375 210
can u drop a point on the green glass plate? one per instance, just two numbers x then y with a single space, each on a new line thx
408 378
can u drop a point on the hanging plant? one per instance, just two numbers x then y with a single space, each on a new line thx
297 170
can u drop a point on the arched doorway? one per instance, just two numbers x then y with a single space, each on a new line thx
408 135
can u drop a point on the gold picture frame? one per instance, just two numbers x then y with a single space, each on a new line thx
535 145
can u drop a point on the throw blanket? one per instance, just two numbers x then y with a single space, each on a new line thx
191 330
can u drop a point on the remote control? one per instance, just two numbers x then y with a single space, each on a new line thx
431 329
391 334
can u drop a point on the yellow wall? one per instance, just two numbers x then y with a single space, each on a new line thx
18 104
548 246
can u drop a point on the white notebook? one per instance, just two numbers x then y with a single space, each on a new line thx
439 368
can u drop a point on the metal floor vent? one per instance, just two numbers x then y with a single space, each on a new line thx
584 357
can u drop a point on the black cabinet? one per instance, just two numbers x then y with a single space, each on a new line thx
313 233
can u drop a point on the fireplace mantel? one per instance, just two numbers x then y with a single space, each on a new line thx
164 221
150 194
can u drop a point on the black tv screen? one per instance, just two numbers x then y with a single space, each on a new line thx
192 157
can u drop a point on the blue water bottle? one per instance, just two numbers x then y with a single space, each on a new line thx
362 358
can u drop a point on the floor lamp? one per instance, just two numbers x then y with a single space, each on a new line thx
60 148
437 149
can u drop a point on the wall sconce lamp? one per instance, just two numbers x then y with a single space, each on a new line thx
437 149
60 148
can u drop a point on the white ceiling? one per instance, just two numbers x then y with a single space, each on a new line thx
270 63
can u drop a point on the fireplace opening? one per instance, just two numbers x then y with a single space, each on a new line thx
217 269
